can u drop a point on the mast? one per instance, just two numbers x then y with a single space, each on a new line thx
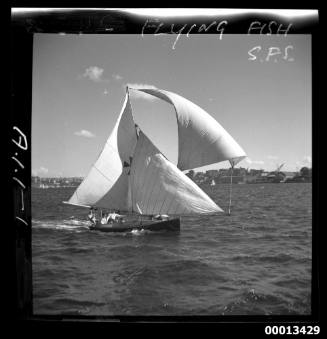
230 189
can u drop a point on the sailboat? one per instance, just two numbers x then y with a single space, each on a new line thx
132 176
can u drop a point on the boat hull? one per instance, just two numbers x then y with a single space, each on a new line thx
171 225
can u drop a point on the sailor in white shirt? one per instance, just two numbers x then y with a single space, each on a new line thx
111 217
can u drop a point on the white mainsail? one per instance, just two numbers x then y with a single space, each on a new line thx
201 139
106 185
159 187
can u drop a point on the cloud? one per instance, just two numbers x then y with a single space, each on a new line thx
84 133
94 73
40 171
307 160
258 162
141 95
272 157
105 92
117 77
254 162
43 170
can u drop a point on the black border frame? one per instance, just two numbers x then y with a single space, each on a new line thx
102 22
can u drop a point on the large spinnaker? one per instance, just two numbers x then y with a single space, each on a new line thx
159 187
106 184
201 139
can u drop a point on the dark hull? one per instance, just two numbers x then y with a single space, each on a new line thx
172 225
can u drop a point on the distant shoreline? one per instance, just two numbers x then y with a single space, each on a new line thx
218 184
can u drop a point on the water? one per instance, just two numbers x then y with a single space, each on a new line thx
256 261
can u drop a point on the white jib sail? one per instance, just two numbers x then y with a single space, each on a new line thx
159 187
106 185
201 139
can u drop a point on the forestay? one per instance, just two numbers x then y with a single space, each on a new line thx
107 182
201 139
159 187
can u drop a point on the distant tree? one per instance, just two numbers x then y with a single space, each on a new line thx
304 171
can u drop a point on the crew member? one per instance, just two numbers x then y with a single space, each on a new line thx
111 217
92 216
104 219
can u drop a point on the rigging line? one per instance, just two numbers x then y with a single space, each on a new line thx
132 178
151 186
176 209
185 210
130 193
166 195
171 201
137 176
176 204
230 189
156 195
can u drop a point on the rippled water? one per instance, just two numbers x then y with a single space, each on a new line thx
256 261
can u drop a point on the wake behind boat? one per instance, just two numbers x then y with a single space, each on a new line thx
131 174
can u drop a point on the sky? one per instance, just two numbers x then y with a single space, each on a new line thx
262 100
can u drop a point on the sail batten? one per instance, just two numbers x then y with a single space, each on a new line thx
201 139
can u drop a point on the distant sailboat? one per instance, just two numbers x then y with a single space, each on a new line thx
213 183
132 175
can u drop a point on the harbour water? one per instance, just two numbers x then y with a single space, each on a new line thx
256 261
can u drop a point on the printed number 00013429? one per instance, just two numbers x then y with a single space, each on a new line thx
295 330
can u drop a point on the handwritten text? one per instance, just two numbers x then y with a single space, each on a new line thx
21 144
156 27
